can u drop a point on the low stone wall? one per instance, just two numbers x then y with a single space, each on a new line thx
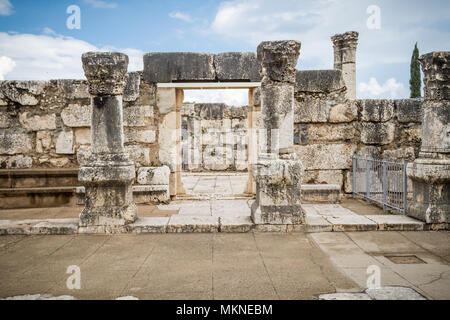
329 129
47 123
214 137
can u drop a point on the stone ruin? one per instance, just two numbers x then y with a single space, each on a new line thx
123 133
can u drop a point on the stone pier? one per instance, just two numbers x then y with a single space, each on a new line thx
345 45
277 173
430 173
109 175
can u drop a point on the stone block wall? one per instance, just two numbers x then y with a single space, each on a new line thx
214 137
329 128
46 124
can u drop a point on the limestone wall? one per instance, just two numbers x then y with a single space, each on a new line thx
214 137
47 123
329 128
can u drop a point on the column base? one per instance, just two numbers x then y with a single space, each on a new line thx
431 190
278 192
109 195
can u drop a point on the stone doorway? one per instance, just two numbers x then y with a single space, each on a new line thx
198 180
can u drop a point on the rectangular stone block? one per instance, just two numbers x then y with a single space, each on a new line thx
76 115
309 109
14 142
236 224
64 142
149 225
376 110
191 224
409 110
237 66
162 67
325 156
377 133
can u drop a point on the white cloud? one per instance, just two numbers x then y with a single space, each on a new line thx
181 16
101 4
6 65
52 56
6 8
232 97
372 89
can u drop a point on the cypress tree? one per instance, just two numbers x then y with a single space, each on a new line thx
415 80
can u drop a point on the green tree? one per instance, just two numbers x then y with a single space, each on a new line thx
415 80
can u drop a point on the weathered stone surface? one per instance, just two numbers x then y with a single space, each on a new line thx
343 112
377 133
319 81
23 92
76 115
14 142
167 138
73 89
278 194
376 110
278 60
344 46
105 71
400 154
314 133
36 123
150 225
82 135
396 223
329 156
236 224
140 156
135 116
153 175
436 126
109 175
59 162
64 142
16 162
169 66
185 223
323 177
165 100
132 83
435 67
236 66
143 136
5 120
409 110
43 141
311 109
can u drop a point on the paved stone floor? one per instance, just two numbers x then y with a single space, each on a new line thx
215 184
223 266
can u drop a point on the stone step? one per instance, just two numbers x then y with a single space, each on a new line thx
321 193
141 194
37 197
33 178
211 224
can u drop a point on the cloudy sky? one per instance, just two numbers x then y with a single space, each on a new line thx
37 43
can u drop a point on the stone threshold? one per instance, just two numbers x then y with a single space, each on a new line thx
210 224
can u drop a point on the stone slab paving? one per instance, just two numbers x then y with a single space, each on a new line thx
427 273
170 266
217 185
225 266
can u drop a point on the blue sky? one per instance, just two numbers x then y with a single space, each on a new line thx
35 42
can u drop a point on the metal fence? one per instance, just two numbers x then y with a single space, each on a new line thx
381 181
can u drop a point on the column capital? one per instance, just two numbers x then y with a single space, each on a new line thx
106 72
278 60
436 71
347 39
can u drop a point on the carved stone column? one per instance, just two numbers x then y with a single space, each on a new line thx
277 173
430 173
109 176
345 45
